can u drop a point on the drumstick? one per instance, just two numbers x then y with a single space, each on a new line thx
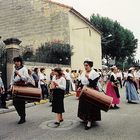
103 91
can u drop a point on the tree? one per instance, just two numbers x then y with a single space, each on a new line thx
55 53
3 60
121 45
27 53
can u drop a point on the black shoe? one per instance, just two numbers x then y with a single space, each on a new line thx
116 107
130 102
87 127
21 121
111 107
57 123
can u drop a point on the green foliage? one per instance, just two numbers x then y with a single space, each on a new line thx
50 52
55 53
121 45
27 53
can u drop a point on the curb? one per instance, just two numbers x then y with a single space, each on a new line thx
12 108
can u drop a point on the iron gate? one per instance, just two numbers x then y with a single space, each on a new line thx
3 65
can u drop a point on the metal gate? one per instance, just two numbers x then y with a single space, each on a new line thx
3 64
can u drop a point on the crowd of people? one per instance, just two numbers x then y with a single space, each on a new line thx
61 82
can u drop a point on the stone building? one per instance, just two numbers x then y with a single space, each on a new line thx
35 22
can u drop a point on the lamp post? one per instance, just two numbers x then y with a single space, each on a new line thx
124 63
105 41
110 35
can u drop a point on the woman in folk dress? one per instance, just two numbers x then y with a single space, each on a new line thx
112 88
58 86
131 88
88 112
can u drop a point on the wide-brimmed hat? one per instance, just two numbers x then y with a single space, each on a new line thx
131 68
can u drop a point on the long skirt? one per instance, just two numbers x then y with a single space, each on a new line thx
131 92
58 101
88 111
19 106
113 92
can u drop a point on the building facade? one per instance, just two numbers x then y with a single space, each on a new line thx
35 22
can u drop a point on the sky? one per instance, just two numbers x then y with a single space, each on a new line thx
126 12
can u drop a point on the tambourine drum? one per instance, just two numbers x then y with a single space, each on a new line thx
26 93
97 98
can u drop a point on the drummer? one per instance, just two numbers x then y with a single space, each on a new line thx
19 77
88 112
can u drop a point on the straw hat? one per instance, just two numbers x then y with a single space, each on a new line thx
131 68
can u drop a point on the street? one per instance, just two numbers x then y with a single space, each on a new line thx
121 124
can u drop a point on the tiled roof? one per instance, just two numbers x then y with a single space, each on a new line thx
60 4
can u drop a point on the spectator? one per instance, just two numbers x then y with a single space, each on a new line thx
2 94
119 77
50 90
36 76
125 74
68 79
31 80
43 83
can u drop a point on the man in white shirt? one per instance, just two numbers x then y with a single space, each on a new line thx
43 83
68 79
125 74
31 80
119 77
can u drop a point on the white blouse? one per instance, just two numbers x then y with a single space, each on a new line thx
92 75
115 77
31 80
61 82
24 75
130 75
43 77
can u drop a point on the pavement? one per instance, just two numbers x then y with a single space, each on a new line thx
118 124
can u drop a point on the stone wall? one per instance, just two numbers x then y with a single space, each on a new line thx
33 21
